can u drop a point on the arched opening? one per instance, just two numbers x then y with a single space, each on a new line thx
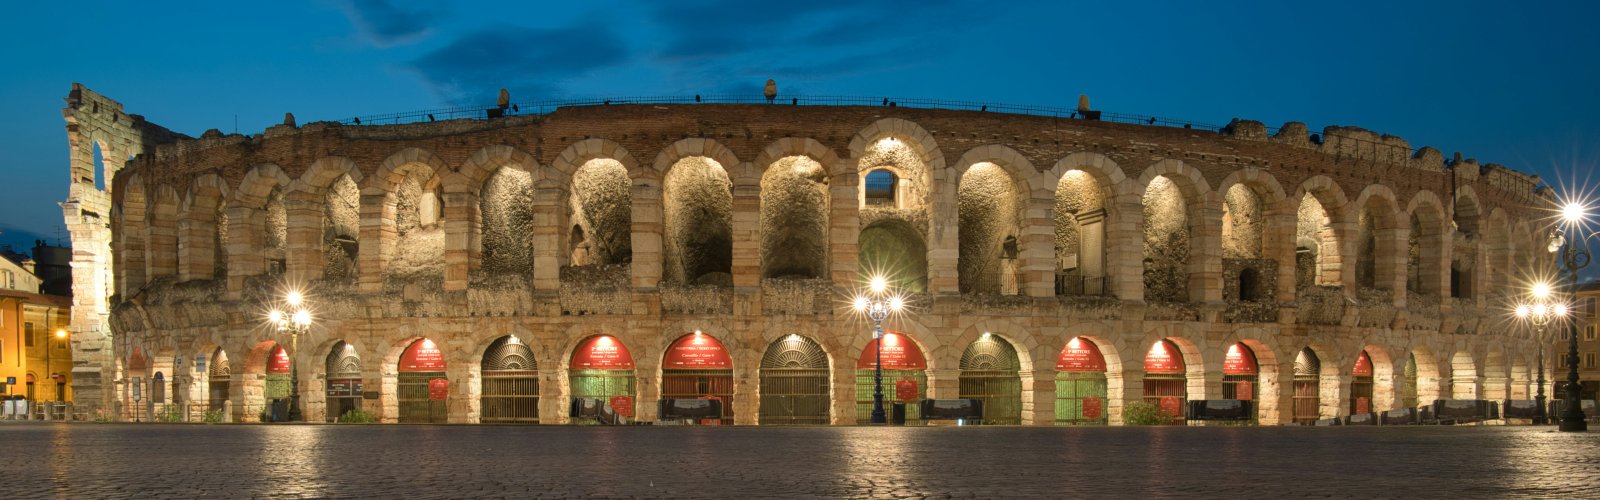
1316 246
1165 384
1307 383
602 368
1080 224
990 222
510 383
218 377
794 382
698 215
894 249
1241 375
418 251
1424 248
602 214
1361 385
1080 384
990 372
1463 376
341 229
506 205
421 386
905 377
1375 246
1408 390
1463 241
99 158
1242 223
880 188
1496 377
158 389
278 388
275 238
697 366
794 219
1166 243
343 381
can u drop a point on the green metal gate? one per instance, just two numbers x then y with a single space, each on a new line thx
695 384
1306 401
411 391
989 372
1080 398
794 383
891 381
510 383
601 384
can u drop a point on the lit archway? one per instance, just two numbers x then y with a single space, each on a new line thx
905 376
421 386
1081 384
697 366
510 374
343 381
990 372
795 383
602 369
1165 379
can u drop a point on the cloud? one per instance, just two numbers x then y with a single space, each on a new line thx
472 68
386 23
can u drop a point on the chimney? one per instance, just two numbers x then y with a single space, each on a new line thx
27 265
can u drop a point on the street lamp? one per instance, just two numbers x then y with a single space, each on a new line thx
293 317
1570 244
878 304
1540 312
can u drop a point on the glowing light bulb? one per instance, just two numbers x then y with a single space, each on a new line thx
1573 212
275 316
1540 310
61 334
861 304
1541 290
896 303
1560 310
879 284
1522 310
302 317
294 298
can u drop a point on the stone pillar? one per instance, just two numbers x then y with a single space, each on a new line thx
842 378
944 238
460 222
246 239
1038 242
197 243
942 384
1132 392
465 386
647 384
647 235
377 240
1039 397
746 226
1125 249
1205 253
549 252
1337 248
1333 395
747 392
1278 243
844 227
1390 255
1282 397
303 258
555 393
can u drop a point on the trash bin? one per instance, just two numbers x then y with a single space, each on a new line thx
898 414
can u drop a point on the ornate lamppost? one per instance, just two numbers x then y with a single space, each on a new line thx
293 317
878 304
1540 312
1570 244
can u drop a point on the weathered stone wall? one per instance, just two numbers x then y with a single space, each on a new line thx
684 200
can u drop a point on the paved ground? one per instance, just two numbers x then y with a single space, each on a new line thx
393 461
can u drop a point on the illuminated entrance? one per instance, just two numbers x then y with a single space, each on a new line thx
510 382
421 387
1080 384
344 381
1164 382
1306 401
277 388
1241 375
989 372
1361 385
905 376
696 366
217 378
794 383
602 368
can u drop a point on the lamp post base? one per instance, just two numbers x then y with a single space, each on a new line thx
1574 425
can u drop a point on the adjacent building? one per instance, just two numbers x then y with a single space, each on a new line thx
35 360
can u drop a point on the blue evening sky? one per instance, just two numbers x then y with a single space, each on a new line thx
1516 83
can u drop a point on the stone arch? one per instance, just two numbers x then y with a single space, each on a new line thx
1428 254
792 369
885 142
202 229
1378 261
1466 241
603 205
1177 265
992 195
795 206
1425 378
697 206
1085 186
320 175
401 222
1263 345
1191 354
1323 224
162 244
258 222
1385 394
131 236
1496 235
1255 212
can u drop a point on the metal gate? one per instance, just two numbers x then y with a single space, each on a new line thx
989 372
1170 387
601 384
794 383
1080 398
411 391
1360 390
1306 402
694 384
218 378
891 382
344 381
510 383
1408 390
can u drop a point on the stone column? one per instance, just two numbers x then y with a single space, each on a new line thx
844 227
246 239
942 384
377 240
1125 249
460 225
1132 392
1205 253
549 250
555 393
1390 255
1283 397
943 235
747 392
1039 397
746 269
197 243
647 232
1037 261
303 259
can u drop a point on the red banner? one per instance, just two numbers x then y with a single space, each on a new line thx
1239 361
906 391
1163 358
623 405
1080 355
899 353
1244 390
697 351
1093 408
278 361
1363 405
602 352
1171 405
438 389
1363 366
422 356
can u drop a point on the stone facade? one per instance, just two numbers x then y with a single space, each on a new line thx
749 223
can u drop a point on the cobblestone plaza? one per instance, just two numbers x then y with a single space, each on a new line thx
232 461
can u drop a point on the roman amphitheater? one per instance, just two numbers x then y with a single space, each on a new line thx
492 269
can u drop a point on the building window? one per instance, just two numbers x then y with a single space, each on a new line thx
1589 305
1588 332
8 280
1588 360
27 334
880 188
